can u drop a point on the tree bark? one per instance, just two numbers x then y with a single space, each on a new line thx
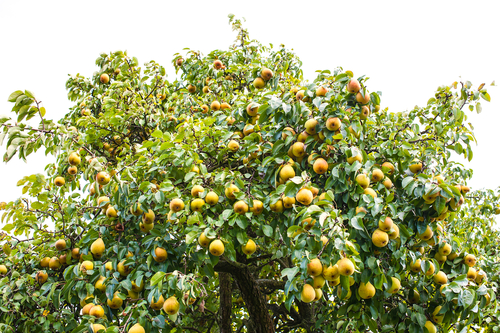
225 302
252 296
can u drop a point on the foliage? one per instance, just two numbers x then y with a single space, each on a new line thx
144 141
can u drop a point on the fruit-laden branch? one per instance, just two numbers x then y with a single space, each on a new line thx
252 296
225 302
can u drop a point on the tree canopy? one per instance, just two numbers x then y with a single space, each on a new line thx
242 197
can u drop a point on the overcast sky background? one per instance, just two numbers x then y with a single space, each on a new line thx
407 49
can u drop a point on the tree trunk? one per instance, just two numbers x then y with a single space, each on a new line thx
225 302
252 296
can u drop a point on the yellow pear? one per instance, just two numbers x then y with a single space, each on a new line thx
345 267
86 309
216 248
304 196
331 273
435 315
97 311
308 293
203 240
440 278
160 254
229 191
60 244
314 267
158 304
171 305
396 285
98 328
176 205
470 260
116 302
318 281
197 190
366 291
149 217
212 198
431 269
287 172
137 328
99 285
54 263
472 274
430 327
249 248
416 266
197 205
427 234
380 238
97 248
386 224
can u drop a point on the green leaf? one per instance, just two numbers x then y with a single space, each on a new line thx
357 223
157 278
13 97
268 230
289 272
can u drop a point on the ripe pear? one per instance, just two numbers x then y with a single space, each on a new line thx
298 149
472 274
345 266
215 106
363 99
308 293
440 258
137 328
103 178
176 205
300 95
197 205
470 260
203 240
122 269
249 248
380 238
98 328
387 183
97 311
146 227
41 276
320 166
277 207
86 266
74 159
331 273
266 74
318 282
362 180
216 248
97 248
416 267
310 126
212 198
284 134
60 244
314 267
318 294
116 302
229 191
259 83
366 291
435 315
54 263
171 306
370 191
321 91
257 208
45 262
160 254
86 309
430 327
431 269
233 146
427 234
197 190
440 278
395 286
386 224
415 298
394 232
352 159
353 86
99 285
111 212
416 167
304 196
158 304
240 207
333 124
377 175
104 78
287 172
288 202
339 293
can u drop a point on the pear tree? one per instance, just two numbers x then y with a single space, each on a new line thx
239 196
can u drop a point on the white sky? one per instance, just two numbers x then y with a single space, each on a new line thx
406 50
